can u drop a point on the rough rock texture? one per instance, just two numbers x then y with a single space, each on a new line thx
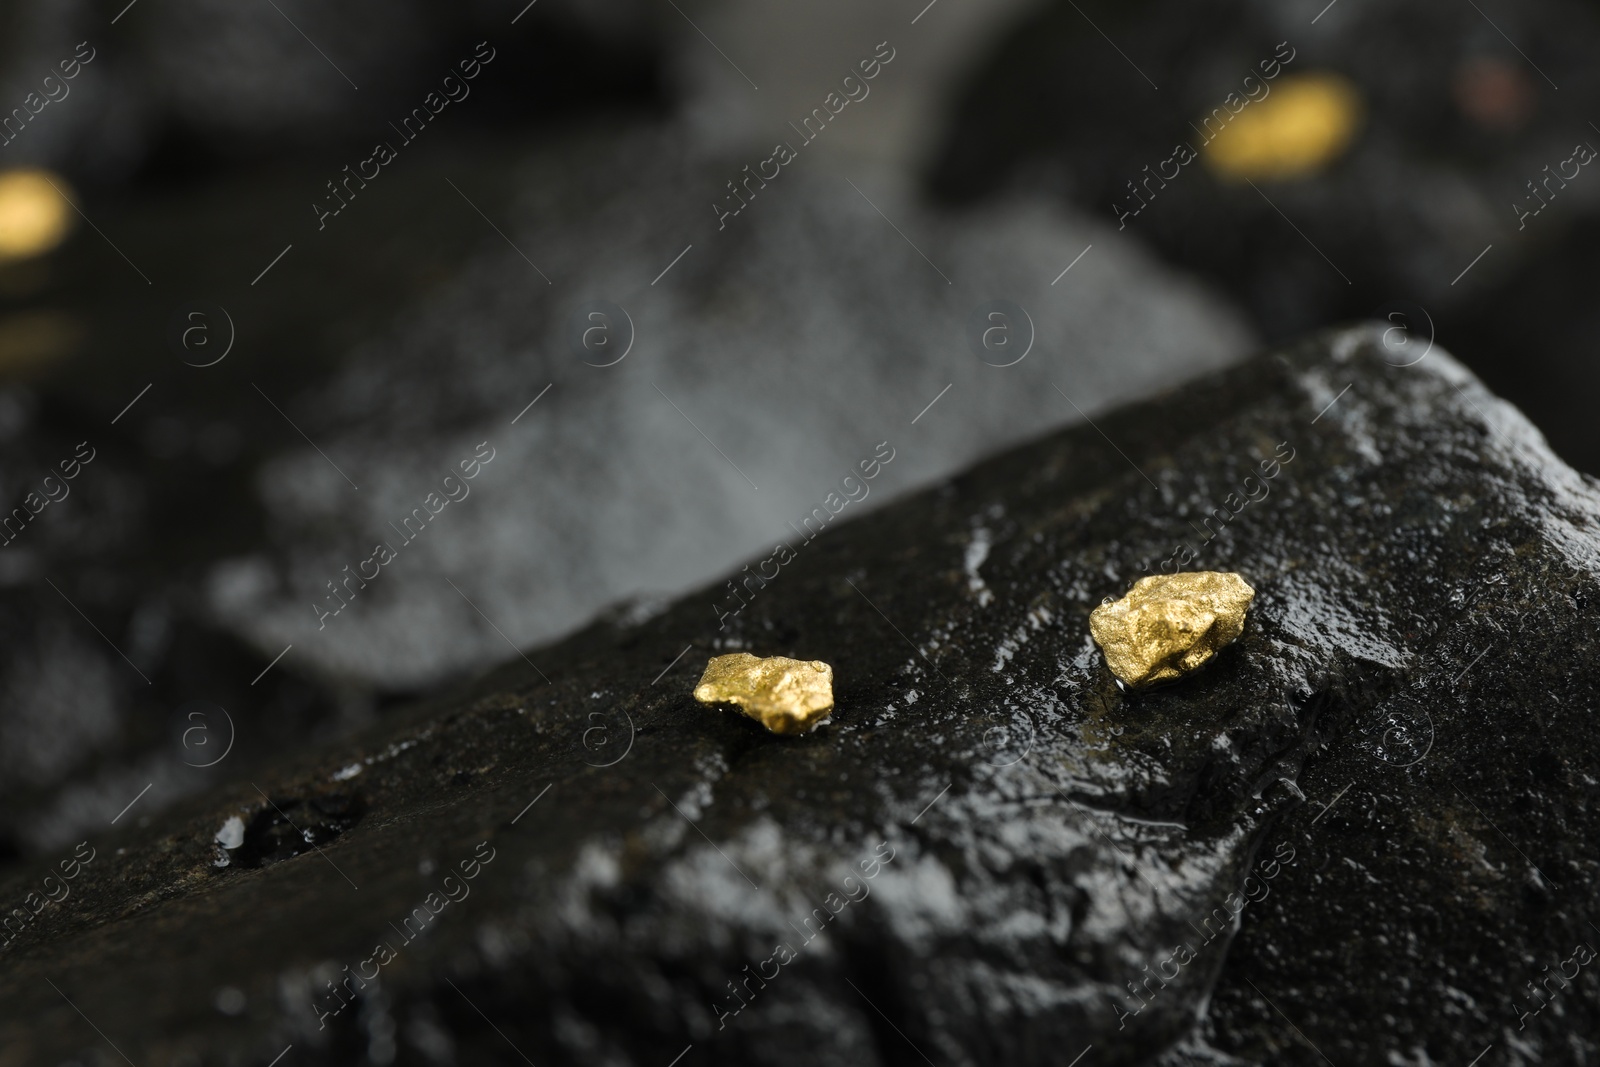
1384 779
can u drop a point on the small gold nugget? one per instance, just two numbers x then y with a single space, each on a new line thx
787 696
1170 624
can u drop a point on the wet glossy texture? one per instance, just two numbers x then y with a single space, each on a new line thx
1374 807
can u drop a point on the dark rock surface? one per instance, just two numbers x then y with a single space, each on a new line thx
1394 761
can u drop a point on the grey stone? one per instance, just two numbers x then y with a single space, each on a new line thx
764 366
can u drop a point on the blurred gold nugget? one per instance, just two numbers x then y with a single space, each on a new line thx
1307 122
35 214
787 696
1170 624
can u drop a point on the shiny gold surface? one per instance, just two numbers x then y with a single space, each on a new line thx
1305 124
787 696
1170 624
34 215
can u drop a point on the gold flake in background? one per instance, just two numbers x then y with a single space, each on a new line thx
34 214
787 696
1306 123
1170 624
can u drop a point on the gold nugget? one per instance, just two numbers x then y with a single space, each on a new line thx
33 213
787 696
1309 121
1170 624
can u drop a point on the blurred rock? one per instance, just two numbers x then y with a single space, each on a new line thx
1002 849
178 86
109 680
1460 115
770 360
799 53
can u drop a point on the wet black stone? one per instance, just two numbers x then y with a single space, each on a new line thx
285 828
1361 829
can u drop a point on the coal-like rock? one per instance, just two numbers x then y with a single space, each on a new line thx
992 854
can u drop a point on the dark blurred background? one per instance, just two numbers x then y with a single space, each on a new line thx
266 385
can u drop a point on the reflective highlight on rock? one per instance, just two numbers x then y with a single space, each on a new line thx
787 696
1170 624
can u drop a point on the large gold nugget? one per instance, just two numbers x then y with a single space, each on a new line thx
787 696
1170 624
